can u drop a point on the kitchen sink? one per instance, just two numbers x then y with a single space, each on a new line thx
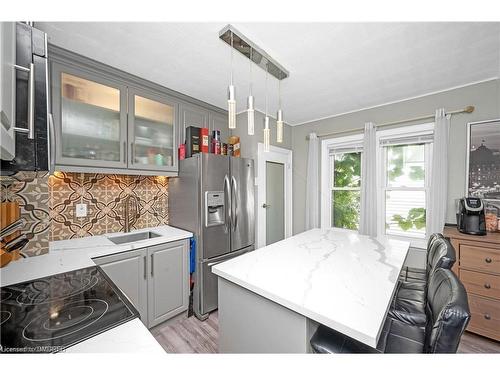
133 237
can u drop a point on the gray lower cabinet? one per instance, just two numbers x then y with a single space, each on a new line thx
155 279
168 282
128 271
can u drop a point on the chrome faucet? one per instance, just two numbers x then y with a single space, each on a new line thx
126 214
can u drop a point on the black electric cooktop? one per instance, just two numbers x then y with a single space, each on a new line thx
52 313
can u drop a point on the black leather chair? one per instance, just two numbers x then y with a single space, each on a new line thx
409 303
448 316
328 341
420 274
448 312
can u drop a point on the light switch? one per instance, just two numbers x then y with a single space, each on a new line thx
81 210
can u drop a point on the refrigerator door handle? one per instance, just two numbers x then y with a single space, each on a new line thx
234 187
227 204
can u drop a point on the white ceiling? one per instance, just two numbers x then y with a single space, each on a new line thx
334 67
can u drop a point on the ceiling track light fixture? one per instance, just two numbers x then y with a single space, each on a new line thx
267 131
261 58
251 105
279 118
231 93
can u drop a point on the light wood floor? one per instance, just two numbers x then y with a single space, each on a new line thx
189 335
472 343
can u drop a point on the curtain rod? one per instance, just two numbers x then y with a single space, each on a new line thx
468 109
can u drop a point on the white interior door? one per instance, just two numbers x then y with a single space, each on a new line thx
274 195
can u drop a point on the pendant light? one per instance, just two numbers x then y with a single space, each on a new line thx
231 100
250 102
279 117
266 123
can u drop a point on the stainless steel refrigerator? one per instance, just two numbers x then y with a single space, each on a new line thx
213 197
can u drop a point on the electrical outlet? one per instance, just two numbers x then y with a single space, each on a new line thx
81 210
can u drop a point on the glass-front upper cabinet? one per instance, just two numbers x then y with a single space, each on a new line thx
90 114
151 132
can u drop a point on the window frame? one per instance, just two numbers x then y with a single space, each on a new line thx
333 188
351 141
406 131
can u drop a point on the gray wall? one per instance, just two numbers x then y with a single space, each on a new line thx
484 96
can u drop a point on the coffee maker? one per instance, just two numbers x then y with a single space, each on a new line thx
470 216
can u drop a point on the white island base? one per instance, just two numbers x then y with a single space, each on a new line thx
249 323
272 299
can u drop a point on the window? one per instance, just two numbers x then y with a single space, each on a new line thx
341 181
404 173
403 169
345 177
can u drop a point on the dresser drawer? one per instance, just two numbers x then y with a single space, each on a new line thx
486 285
479 258
485 318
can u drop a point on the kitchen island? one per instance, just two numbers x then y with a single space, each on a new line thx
271 300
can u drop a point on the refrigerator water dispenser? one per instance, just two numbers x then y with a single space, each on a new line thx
214 208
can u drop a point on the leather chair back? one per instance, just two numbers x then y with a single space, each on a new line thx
433 237
447 311
440 254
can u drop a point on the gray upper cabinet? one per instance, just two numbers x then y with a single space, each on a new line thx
105 124
219 121
128 271
152 132
191 115
168 285
90 113
109 121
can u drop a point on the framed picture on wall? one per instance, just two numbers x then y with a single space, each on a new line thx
483 160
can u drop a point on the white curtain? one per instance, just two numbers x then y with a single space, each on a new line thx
438 188
368 215
312 182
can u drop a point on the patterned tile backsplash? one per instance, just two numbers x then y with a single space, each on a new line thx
31 191
104 195
48 204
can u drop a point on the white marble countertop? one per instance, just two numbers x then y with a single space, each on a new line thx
73 254
129 337
335 277
68 255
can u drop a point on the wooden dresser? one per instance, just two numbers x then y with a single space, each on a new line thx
478 267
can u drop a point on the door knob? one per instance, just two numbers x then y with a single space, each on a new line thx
266 205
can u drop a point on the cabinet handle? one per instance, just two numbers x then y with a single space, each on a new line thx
145 268
125 152
488 260
487 316
487 286
52 142
31 101
152 264
132 152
